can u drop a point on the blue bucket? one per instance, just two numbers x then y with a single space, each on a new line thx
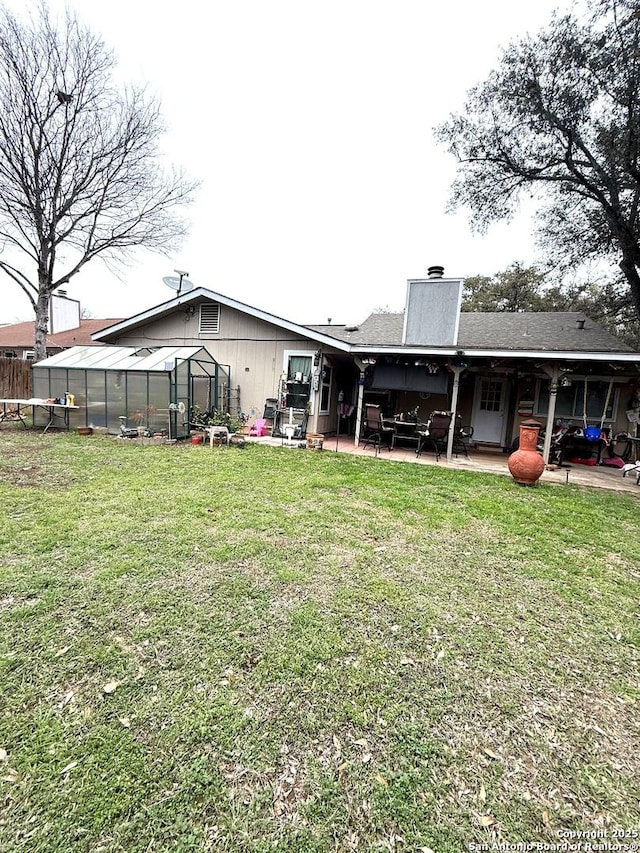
592 433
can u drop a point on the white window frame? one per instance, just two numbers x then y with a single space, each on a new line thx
576 383
304 353
328 385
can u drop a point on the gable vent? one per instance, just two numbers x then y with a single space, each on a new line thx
210 318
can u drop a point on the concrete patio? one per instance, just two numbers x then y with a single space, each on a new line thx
486 461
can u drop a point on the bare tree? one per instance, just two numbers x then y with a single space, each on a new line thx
80 169
560 116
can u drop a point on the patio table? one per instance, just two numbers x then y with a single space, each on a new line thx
36 402
12 410
405 430
220 432
64 417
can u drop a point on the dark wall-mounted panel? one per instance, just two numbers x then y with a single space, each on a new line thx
400 377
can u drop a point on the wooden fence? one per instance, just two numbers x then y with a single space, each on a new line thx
15 378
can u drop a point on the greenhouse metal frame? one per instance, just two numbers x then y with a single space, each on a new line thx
152 388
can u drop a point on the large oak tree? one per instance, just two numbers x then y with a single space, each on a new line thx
520 288
80 169
560 118
515 289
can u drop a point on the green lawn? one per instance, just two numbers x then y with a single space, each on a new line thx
268 648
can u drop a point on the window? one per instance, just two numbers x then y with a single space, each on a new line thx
325 394
570 401
491 395
29 354
210 318
297 385
9 353
299 369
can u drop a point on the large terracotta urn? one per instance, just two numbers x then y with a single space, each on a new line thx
525 463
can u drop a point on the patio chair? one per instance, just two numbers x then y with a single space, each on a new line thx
436 434
375 428
259 427
461 437
632 468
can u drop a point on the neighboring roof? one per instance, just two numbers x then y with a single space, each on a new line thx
22 334
543 331
124 358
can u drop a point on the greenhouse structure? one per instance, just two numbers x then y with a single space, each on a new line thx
145 387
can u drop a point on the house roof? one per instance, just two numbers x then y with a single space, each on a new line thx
201 294
21 335
550 334
503 331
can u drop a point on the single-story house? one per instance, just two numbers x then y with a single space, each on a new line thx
494 369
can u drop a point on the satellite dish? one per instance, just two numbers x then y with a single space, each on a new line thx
179 283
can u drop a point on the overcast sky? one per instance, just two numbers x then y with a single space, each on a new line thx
310 126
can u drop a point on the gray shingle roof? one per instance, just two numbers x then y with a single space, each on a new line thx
552 331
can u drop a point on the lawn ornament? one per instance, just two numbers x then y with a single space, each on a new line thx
525 463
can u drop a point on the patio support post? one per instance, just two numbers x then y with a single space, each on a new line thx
360 367
551 415
454 405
